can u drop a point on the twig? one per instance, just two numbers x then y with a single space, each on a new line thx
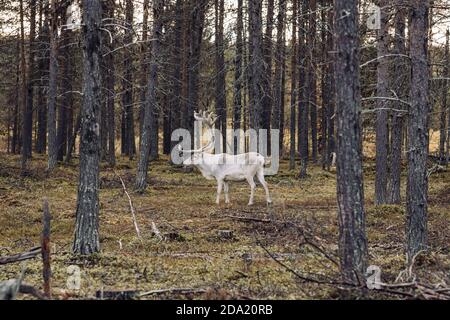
173 290
241 218
133 213
156 232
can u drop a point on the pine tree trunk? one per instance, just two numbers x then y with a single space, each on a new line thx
175 104
443 153
110 80
312 67
238 77
350 192
417 186
303 96
400 81
256 63
66 93
329 89
87 222
220 96
43 65
197 21
267 86
381 106
279 66
52 91
151 100
128 134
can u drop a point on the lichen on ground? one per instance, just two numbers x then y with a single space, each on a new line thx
194 255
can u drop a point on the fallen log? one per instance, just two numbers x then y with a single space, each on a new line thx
32 253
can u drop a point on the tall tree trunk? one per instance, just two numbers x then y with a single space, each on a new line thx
128 137
66 93
350 192
16 121
197 20
151 100
238 76
176 97
294 91
109 62
43 65
303 95
221 95
27 85
400 79
417 186
279 66
382 105
86 227
328 88
256 63
143 63
52 91
268 96
443 154
312 69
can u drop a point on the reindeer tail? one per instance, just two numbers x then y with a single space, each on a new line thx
267 161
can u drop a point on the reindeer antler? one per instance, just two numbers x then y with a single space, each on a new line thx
202 149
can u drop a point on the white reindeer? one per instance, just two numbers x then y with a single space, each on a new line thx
226 167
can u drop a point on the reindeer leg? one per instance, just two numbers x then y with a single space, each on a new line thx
219 190
261 179
252 184
226 189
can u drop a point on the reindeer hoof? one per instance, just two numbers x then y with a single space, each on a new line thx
250 204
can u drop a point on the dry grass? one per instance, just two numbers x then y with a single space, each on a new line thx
183 204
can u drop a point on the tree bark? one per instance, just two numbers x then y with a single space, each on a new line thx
400 78
176 97
278 92
312 67
443 153
267 86
197 21
43 65
151 101
417 185
238 76
52 91
256 62
303 96
350 192
221 95
66 93
86 227
109 62
128 134
381 106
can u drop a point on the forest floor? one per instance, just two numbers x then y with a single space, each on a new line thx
195 254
